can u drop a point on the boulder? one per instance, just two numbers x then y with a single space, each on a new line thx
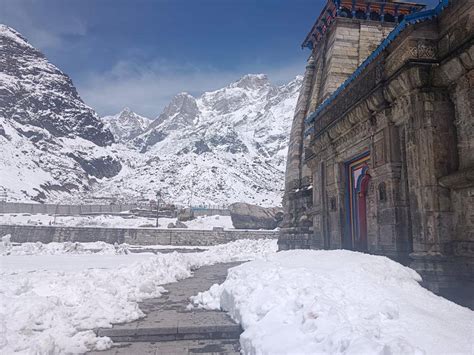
171 225
185 214
247 216
180 224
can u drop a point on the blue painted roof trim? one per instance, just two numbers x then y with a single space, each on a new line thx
408 20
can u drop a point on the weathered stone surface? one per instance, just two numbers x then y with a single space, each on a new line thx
410 112
247 216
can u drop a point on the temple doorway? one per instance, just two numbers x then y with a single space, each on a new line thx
358 178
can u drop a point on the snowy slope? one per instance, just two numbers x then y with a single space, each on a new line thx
126 124
52 143
226 146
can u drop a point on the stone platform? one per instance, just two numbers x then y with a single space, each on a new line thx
169 328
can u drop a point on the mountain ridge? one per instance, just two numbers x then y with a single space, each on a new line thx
227 145
236 137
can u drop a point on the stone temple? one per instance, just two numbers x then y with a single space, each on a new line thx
381 153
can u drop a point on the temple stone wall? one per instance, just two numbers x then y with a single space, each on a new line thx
345 47
294 165
411 110
332 61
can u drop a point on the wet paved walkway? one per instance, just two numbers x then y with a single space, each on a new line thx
169 328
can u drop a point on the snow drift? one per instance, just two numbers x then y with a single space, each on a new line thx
52 308
312 302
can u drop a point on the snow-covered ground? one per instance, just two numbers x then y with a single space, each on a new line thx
338 302
112 221
49 304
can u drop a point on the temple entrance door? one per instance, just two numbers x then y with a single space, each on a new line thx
357 186
361 237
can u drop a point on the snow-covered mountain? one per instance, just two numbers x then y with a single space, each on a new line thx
126 124
225 146
52 143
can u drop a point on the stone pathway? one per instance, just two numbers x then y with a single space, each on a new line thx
169 328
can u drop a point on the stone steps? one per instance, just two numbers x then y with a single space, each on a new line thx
170 328
181 347
193 325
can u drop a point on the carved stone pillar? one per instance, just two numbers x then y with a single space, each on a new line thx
431 153
295 229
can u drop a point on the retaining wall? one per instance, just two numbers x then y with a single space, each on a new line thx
47 208
142 236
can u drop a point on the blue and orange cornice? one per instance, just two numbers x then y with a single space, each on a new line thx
410 19
361 9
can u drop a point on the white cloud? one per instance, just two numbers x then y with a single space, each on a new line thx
147 88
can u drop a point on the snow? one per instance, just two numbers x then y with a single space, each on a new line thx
210 222
51 303
225 146
112 221
126 124
313 302
13 35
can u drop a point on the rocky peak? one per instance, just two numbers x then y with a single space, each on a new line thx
50 138
252 81
126 125
180 112
228 145
14 36
35 92
182 104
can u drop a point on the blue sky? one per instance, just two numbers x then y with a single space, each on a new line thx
140 53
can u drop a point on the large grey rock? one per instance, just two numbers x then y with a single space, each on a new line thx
185 214
247 216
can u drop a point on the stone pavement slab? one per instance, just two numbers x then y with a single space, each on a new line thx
182 347
169 326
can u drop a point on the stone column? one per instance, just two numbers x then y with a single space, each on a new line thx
295 200
431 154
295 150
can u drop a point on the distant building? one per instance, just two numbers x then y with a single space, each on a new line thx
381 153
